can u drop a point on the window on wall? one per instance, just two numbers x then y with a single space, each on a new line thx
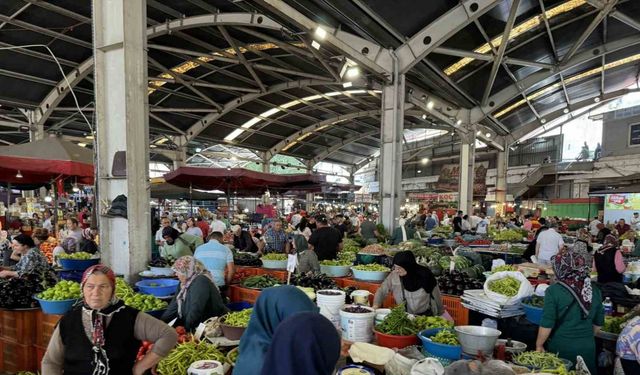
634 135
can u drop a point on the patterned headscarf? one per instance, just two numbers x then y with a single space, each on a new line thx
610 242
573 270
87 234
191 268
69 245
99 318
583 235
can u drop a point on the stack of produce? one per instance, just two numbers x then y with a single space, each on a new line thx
373 249
409 245
536 301
260 282
336 262
63 290
372 268
506 267
538 360
507 286
142 302
162 262
238 318
446 337
612 324
47 248
350 246
186 353
460 262
246 260
429 322
317 281
274 256
508 235
456 282
17 292
81 255
443 230
397 323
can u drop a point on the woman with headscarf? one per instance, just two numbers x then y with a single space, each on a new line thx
411 284
198 298
69 245
303 228
103 335
307 258
178 244
88 242
583 240
273 306
306 341
572 312
608 261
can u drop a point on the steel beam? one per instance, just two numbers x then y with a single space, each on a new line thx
437 32
45 31
197 83
336 148
507 94
585 34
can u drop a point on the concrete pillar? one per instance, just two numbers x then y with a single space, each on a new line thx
266 167
180 159
122 123
390 160
502 164
309 202
467 162
36 129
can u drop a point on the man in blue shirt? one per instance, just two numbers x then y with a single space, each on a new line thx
275 238
218 259
430 223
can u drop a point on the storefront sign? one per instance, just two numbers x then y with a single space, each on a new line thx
433 197
449 179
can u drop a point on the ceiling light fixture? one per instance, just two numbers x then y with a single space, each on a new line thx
347 84
82 144
424 117
425 160
48 199
353 72
18 175
459 122
198 149
75 188
321 33
566 110
430 104
419 171
543 120
479 132
315 44
488 135
597 100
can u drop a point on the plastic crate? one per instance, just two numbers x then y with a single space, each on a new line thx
239 294
45 325
242 273
19 325
278 274
459 313
17 357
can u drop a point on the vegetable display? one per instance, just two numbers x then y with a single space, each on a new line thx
397 323
350 245
145 302
123 290
508 235
16 292
506 267
459 261
538 360
317 281
183 355
275 256
335 262
247 260
446 337
428 322
374 249
233 355
260 282
356 310
239 318
81 255
612 324
535 301
61 291
456 282
372 268
507 286
162 262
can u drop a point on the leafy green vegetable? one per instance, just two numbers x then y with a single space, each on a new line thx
335 262
535 301
397 323
274 256
428 322
446 337
612 325
372 267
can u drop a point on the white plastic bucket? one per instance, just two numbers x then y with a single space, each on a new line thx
206 367
381 314
330 305
361 297
357 327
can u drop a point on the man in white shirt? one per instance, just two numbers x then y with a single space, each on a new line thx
46 224
593 226
164 222
549 244
474 220
217 225
483 225
295 218
635 221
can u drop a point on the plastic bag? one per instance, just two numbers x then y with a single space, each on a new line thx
526 290
427 366
399 365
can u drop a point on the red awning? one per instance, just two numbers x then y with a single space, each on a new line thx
45 160
241 181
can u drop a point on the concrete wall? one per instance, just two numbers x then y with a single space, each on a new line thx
615 137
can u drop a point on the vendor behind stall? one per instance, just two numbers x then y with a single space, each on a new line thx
103 334
179 244
572 312
242 240
413 285
198 299
30 258
608 261
403 233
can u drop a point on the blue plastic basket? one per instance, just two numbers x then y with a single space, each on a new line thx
71 275
158 287
77 264
239 306
435 241
533 314
56 307
436 349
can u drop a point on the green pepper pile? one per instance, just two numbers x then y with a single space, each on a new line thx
535 301
428 322
612 325
446 337
508 286
239 318
538 360
336 262
372 268
183 355
397 323
260 282
274 256
506 267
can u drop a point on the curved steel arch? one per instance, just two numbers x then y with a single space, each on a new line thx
509 93
336 148
59 92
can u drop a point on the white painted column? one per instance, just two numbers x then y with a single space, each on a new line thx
467 162
392 128
309 202
502 165
122 125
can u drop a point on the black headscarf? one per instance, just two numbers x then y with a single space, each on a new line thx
171 232
417 276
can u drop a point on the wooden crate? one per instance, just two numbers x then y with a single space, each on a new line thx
242 273
19 325
459 313
17 357
45 325
278 274
39 356
238 294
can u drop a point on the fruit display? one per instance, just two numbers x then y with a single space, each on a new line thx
612 324
429 322
460 262
372 268
317 281
456 282
144 302
397 323
446 337
345 256
506 267
63 290
336 262
238 318
480 242
507 286
373 249
47 248
81 255
275 256
538 360
260 282
443 230
409 245
183 355
246 260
